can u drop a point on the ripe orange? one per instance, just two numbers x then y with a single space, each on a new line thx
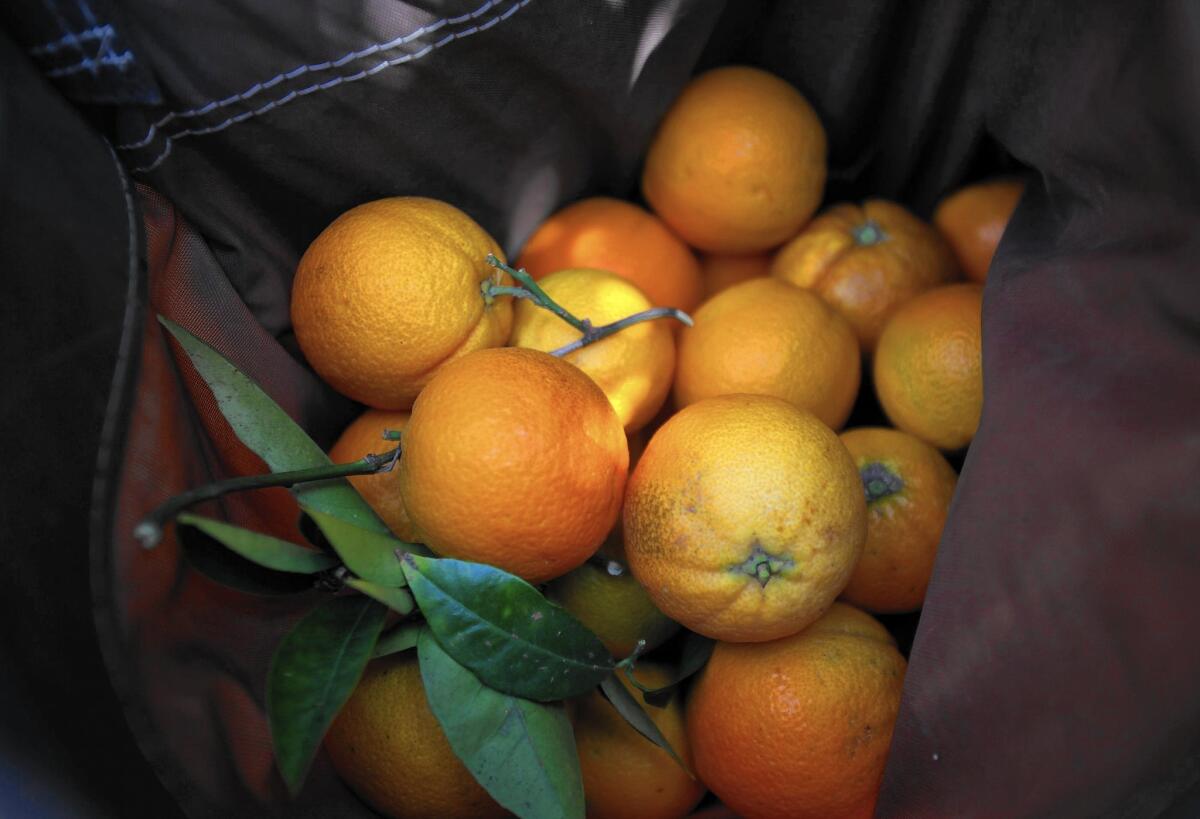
514 458
381 491
722 272
616 608
799 727
974 218
389 292
625 776
866 261
767 337
633 367
908 485
744 518
619 236
389 748
738 163
929 367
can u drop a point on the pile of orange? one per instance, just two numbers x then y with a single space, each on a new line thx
673 476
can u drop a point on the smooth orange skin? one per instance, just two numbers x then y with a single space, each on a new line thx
730 481
799 728
766 337
904 527
634 366
720 272
381 491
625 776
611 234
514 458
866 283
972 220
929 366
390 749
738 162
389 292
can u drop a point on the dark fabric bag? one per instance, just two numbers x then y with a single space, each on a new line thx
177 159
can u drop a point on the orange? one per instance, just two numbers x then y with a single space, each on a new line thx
389 292
722 272
799 727
866 261
974 218
514 458
908 486
744 518
929 366
389 748
615 607
381 491
766 337
738 162
625 776
633 366
619 236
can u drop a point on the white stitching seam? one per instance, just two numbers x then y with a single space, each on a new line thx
94 64
72 39
324 86
299 71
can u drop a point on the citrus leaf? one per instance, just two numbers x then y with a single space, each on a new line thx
695 653
521 752
214 560
398 600
627 706
401 638
269 432
502 628
268 552
312 674
369 554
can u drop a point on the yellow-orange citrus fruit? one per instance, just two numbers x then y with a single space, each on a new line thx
514 458
866 261
389 748
615 607
766 337
720 272
974 218
389 292
744 518
908 486
625 776
799 727
738 162
381 491
619 236
633 366
929 366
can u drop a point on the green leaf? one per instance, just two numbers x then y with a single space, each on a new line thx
270 433
398 600
401 638
269 552
627 706
695 653
502 628
313 673
370 555
521 752
214 560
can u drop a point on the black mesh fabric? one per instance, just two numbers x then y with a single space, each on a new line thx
1053 671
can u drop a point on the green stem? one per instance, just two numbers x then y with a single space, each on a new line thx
150 530
629 661
534 293
594 334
